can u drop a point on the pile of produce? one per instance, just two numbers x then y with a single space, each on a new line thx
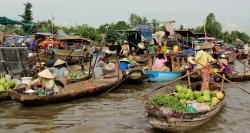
207 97
77 75
186 100
6 84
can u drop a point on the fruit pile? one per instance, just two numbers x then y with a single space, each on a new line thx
207 97
6 84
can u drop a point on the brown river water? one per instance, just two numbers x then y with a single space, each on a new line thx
119 111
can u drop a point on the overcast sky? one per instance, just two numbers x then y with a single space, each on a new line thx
233 14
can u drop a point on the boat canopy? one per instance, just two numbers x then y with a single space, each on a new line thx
74 39
5 21
185 33
199 35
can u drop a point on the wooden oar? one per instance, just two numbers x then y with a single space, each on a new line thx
117 84
244 63
227 80
5 68
231 82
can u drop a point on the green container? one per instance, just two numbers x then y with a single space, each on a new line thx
191 109
41 93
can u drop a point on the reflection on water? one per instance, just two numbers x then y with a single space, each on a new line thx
120 111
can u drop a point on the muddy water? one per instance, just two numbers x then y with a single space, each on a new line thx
120 111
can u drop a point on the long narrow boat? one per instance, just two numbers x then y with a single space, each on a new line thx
91 87
158 76
176 121
237 77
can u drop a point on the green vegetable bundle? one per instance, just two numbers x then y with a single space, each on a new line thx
168 101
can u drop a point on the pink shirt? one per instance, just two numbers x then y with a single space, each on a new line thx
159 62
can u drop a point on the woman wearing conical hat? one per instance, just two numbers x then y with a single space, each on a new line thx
125 48
46 80
202 59
59 69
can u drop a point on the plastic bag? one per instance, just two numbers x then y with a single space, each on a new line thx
200 107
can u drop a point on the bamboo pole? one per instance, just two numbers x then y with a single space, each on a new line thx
222 83
189 82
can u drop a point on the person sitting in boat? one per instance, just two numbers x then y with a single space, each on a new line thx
203 60
86 54
124 65
46 81
160 63
125 48
131 60
224 67
40 66
59 69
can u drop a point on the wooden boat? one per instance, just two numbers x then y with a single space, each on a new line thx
158 76
231 56
135 75
237 77
73 48
5 96
81 89
177 121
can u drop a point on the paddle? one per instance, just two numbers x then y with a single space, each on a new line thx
117 83
5 68
231 83
244 63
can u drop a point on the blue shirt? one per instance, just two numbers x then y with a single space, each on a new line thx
58 73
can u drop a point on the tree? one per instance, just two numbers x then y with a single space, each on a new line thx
213 27
46 26
86 31
27 15
11 28
135 19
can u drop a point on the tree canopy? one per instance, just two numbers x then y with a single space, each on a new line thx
27 15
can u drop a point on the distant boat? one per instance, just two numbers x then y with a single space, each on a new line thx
158 76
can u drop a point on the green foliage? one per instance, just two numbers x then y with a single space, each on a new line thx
85 31
12 28
135 19
168 101
27 15
47 26
212 26
109 28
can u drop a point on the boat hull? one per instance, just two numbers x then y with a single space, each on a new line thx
69 92
136 76
176 121
158 76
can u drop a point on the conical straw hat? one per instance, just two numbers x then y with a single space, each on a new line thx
59 62
46 74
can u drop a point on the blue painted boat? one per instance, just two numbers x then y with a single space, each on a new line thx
158 76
